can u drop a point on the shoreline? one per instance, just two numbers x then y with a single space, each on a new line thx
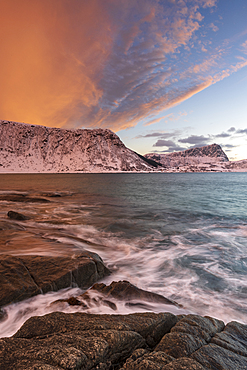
128 342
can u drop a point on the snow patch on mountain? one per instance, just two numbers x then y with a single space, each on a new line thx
32 148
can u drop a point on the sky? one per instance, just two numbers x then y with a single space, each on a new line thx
164 75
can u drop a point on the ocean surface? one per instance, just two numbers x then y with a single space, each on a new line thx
182 235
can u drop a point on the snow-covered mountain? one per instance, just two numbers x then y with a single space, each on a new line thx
33 148
208 158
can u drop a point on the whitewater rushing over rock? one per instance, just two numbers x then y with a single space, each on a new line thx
32 148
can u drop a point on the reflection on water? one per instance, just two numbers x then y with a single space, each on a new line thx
179 235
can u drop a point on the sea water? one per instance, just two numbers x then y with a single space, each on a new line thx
182 235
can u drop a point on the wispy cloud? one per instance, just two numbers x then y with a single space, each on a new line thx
106 63
214 27
153 121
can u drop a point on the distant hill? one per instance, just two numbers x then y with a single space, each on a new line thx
33 148
208 158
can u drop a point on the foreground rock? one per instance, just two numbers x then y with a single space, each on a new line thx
26 276
127 342
116 291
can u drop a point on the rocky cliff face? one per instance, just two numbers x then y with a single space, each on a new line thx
32 148
205 154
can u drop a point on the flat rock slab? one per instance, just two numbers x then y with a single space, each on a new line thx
126 342
23 277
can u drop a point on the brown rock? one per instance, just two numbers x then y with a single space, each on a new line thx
106 342
141 359
202 327
218 358
121 290
17 216
68 351
233 338
189 334
179 344
184 364
124 290
150 326
25 276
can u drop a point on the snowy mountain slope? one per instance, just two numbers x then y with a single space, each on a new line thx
32 148
210 158
208 153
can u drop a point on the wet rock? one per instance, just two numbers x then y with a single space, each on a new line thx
72 301
189 334
25 276
124 290
121 290
17 216
215 357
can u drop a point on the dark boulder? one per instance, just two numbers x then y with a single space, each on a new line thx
17 216
124 290
25 276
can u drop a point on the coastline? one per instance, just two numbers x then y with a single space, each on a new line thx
131 342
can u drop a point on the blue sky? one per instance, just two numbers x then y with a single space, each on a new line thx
165 75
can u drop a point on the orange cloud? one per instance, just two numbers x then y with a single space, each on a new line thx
102 63
51 58
153 121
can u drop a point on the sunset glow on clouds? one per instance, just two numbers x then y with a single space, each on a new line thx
117 64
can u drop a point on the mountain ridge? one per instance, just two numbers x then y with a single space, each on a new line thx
28 148
33 148
209 158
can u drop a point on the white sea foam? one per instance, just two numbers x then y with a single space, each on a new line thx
177 244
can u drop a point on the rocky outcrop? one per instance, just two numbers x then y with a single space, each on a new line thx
109 295
128 342
25 276
33 148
